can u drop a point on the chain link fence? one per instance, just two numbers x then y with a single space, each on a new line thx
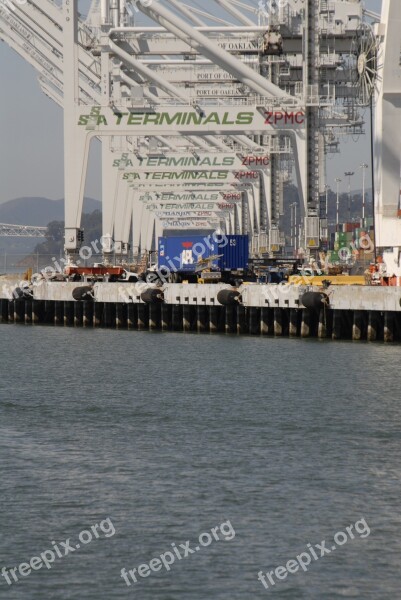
19 264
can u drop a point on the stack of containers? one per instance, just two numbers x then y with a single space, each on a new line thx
332 257
347 227
365 239
359 240
342 240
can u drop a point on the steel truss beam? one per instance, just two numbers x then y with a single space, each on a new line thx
7 230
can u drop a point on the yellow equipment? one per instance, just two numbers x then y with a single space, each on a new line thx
333 279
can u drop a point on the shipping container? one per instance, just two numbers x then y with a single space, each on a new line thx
347 227
183 253
342 243
340 236
235 253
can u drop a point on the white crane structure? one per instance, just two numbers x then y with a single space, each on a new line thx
388 135
203 117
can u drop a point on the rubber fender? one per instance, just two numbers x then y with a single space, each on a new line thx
83 293
152 296
228 297
22 293
314 300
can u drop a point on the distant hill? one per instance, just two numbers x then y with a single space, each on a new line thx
39 211
32 211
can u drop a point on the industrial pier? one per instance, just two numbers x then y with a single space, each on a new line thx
345 312
203 120
205 117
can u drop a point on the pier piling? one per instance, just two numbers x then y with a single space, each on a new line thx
28 312
254 320
388 334
154 316
166 317
87 319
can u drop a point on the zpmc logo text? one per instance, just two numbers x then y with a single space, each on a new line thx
284 118
255 160
246 174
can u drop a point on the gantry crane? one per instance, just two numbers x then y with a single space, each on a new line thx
276 85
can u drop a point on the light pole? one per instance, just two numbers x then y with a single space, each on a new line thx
338 181
294 225
327 187
363 166
349 174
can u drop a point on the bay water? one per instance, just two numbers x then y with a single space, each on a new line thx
158 438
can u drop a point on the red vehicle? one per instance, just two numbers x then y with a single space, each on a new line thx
110 272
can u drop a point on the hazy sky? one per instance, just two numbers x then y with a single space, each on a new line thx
31 142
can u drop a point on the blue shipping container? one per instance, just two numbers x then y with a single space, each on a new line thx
183 253
235 253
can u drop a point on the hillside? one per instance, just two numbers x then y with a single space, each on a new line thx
38 211
33 211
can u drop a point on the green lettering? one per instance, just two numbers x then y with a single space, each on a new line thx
135 119
83 120
119 117
226 121
244 118
212 118
151 118
165 118
194 118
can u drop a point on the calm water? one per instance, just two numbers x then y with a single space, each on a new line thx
170 435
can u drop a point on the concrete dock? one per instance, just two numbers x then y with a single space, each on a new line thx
338 312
